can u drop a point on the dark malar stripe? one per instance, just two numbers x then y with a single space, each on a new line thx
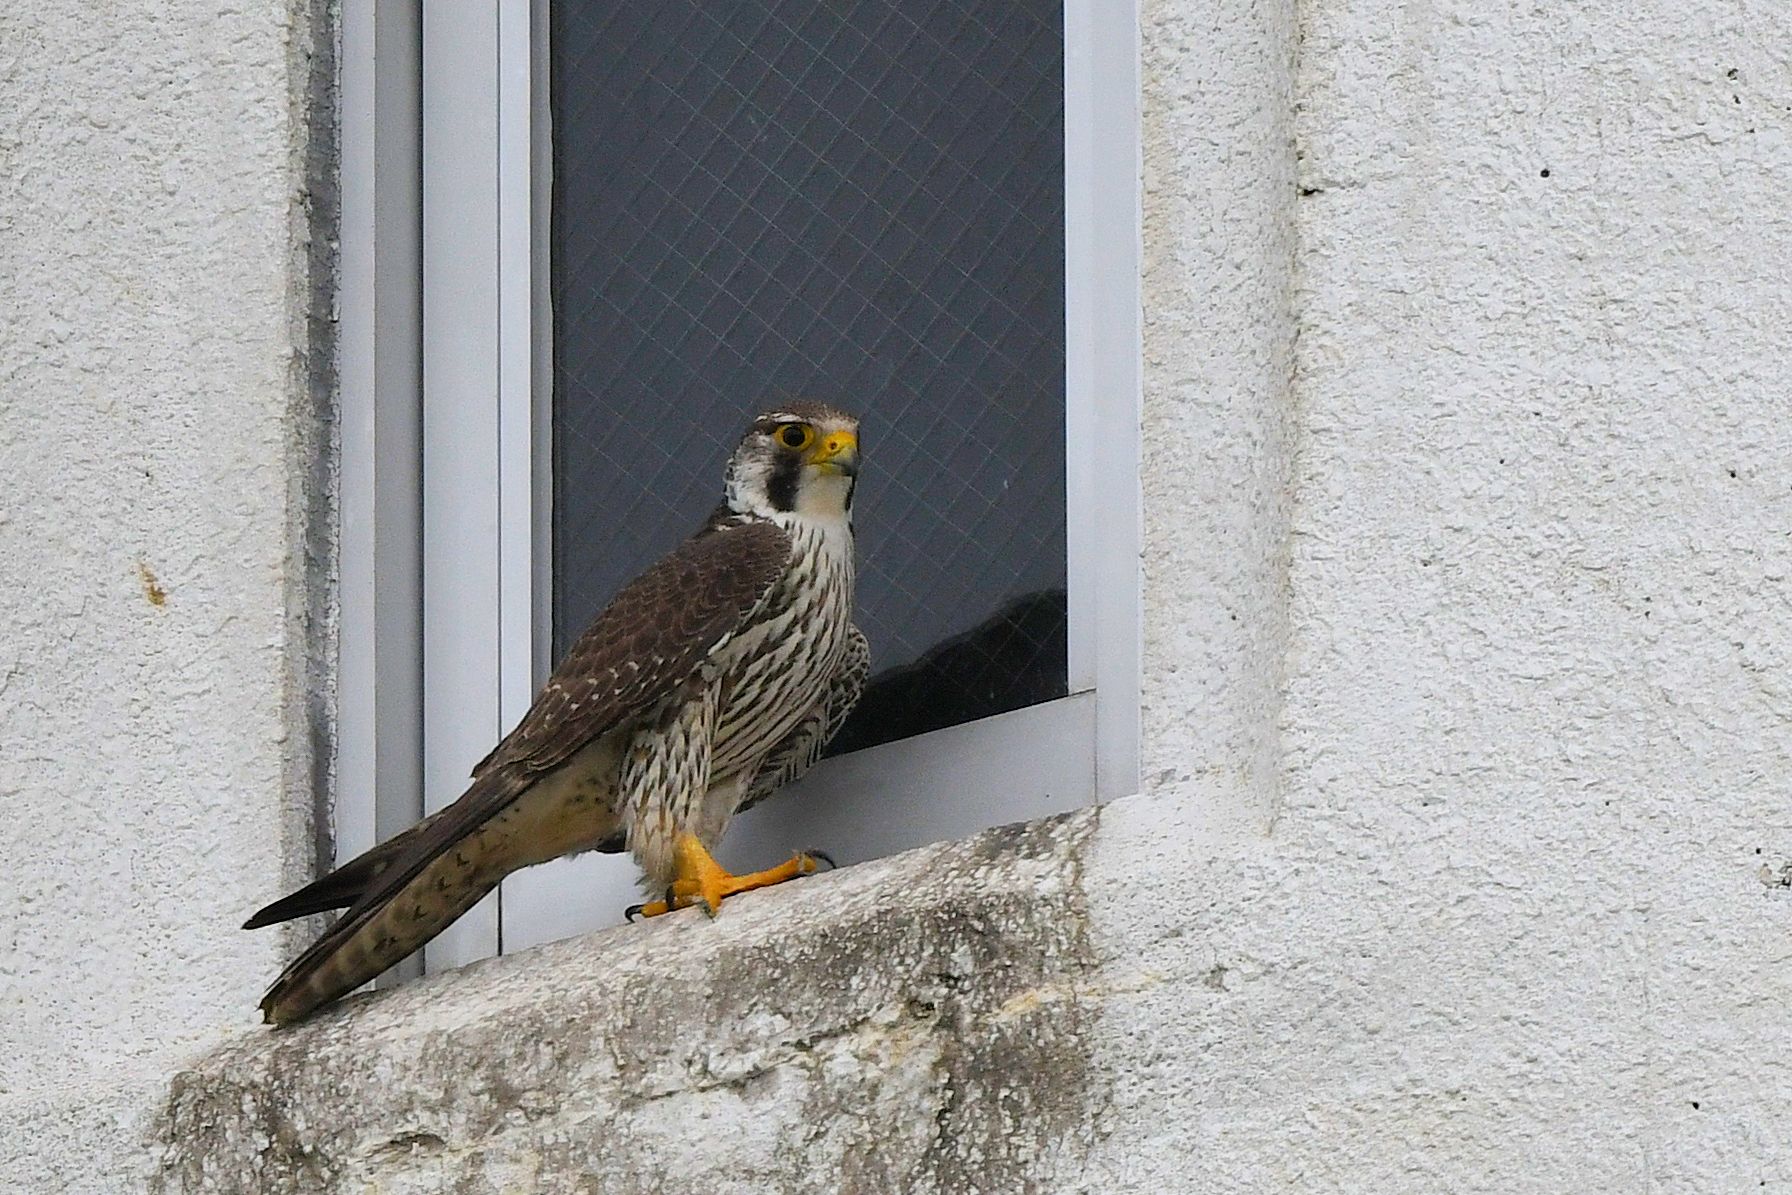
780 487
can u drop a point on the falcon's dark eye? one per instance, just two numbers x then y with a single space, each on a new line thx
796 435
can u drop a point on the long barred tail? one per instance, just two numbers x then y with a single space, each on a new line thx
356 949
451 860
344 886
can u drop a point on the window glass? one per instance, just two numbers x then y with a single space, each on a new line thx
859 202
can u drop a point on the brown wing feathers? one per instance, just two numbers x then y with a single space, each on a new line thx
651 637
648 640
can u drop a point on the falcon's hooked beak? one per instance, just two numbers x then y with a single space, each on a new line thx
837 452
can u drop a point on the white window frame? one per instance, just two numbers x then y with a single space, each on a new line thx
379 677
464 604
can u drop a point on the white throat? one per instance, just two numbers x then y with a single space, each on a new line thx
823 499
821 517
821 502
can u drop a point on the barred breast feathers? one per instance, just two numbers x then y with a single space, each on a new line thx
775 667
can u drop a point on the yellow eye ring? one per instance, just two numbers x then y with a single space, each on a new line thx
796 436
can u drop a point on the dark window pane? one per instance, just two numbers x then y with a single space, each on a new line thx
856 201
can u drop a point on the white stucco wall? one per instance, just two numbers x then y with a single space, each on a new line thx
1217 408
158 527
1521 925
1494 469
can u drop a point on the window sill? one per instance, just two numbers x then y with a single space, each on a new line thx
908 1020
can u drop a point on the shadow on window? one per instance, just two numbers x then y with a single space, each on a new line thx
1012 660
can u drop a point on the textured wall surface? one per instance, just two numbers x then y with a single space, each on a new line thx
158 484
1523 923
1524 927
1491 407
1217 117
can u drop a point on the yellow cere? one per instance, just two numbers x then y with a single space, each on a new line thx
836 444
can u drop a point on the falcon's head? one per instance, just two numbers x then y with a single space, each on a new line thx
799 458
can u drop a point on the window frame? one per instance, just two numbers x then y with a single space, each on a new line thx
454 586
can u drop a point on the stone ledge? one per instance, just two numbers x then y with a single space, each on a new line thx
910 1024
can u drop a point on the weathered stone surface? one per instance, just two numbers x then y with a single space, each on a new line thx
909 1025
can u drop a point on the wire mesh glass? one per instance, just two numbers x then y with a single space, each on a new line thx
855 202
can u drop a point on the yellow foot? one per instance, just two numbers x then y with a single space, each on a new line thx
701 878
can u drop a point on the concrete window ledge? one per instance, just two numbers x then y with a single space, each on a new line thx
1120 1000
910 1024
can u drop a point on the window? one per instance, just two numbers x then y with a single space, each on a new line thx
638 223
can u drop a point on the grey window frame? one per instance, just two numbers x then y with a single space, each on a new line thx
446 381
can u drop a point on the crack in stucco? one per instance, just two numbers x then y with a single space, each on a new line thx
314 445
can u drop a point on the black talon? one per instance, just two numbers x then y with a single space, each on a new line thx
634 911
823 857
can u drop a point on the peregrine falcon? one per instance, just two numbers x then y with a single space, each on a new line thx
709 681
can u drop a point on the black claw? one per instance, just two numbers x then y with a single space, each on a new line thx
634 911
822 857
